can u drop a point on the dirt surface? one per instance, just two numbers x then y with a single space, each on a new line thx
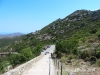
79 67
42 67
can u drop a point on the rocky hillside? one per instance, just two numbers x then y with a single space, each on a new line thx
80 20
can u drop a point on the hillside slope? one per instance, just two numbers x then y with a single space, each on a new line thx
80 20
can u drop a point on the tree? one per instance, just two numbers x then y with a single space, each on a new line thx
67 46
26 54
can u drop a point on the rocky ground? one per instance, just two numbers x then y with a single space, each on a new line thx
79 67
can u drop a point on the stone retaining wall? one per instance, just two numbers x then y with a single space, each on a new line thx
24 67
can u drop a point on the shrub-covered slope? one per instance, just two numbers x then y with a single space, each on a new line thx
76 36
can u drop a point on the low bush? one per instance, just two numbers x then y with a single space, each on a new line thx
93 59
70 57
98 62
63 59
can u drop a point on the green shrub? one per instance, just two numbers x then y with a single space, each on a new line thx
67 46
93 59
26 54
98 62
70 57
98 53
58 54
23 56
84 54
87 59
93 31
3 66
63 59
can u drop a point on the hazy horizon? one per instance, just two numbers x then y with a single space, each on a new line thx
3 33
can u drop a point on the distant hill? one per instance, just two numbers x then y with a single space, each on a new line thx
10 35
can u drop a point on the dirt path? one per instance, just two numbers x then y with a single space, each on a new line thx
42 67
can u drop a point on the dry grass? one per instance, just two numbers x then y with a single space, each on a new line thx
79 67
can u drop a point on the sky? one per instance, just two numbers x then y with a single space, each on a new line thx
27 16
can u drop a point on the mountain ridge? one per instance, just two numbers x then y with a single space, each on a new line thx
76 20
